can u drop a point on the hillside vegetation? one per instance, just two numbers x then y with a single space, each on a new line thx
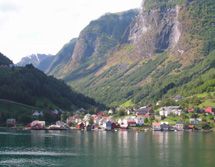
30 86
132 58
4 60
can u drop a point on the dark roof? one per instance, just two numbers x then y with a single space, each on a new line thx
180 122
143 110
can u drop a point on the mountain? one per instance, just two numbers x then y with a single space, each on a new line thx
31 86
4 60
165 49
37 60
83 56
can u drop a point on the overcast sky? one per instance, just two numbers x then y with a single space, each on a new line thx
44 26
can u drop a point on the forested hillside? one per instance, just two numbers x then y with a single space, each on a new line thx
4 60
30 86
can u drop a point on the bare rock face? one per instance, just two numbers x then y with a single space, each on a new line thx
154 31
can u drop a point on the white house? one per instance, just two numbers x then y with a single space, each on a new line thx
110 111
37 113
102 121
139 120
165 111
195 121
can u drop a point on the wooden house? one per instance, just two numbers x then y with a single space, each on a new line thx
156 126
80 125
180 125
11 122
210 110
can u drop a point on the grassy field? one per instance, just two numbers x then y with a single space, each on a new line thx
15 108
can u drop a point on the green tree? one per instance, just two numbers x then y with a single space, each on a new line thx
121 112
151 118
146 120
187 122
91 120
62 118
106 113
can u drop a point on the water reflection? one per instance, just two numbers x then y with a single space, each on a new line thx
103 148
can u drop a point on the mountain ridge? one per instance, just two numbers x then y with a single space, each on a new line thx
153 55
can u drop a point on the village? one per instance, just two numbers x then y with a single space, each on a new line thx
167 118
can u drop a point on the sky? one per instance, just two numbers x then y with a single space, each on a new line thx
44 26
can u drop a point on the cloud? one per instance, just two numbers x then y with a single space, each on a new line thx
9 6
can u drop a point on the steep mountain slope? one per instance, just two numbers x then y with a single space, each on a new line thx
34 59
4 60
61 59
85 55
167 49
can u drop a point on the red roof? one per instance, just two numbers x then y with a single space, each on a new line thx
105 117
156 123
100 113
70 118
190 109
131 122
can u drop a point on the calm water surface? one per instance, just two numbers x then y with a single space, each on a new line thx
107 149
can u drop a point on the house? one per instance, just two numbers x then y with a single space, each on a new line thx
191 127
86 117
156 126
107 125
129 111
71 120
89 127
132 123
190 109
55 112
104 120
37 113
165 126
178 97
165 111
96 120
149 105
10 122
59 123
113 125
100 113
143 111
96 126
139 120
180 125
195 121
158 103
36 125
125 120
210 110
110 112
80 125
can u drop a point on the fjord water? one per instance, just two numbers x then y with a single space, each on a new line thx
107 149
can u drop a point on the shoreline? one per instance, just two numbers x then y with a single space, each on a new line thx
130 129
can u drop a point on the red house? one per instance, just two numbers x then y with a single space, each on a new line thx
113 125
80 125
190 109
132 123
100 113
210 110
11 122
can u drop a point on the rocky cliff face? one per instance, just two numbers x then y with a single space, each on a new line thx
154 31
94 42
